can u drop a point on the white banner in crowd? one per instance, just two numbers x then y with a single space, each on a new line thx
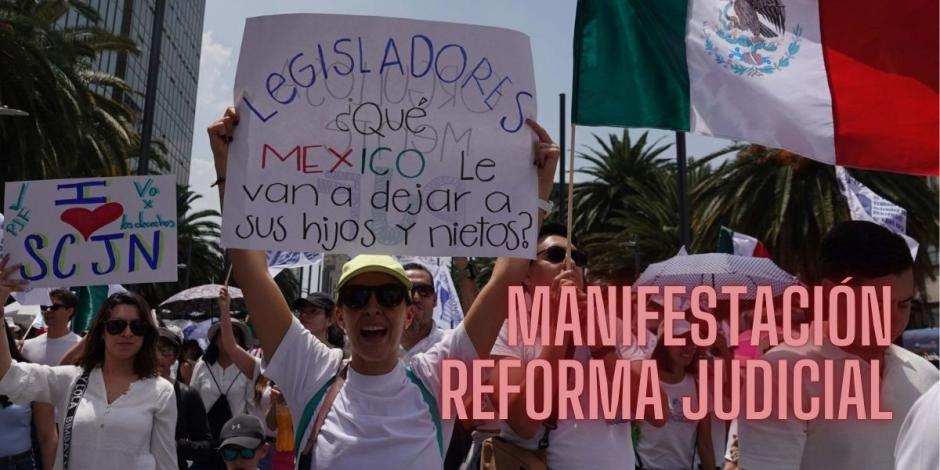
92 231
448 312
377 135
865 204
281 260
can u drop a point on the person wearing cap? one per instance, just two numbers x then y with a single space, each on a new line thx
242 443
382 410
680 442
193 439
225 376
316 314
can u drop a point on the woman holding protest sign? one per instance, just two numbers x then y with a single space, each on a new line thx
376 409
114 411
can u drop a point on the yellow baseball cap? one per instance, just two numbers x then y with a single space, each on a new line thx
373 264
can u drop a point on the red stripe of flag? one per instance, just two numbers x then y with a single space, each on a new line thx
882 60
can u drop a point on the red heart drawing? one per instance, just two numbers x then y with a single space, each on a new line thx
88 222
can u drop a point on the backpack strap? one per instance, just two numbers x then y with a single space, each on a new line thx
311 407
432 407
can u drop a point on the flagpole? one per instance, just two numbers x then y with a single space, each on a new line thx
570 192
561 143
682 192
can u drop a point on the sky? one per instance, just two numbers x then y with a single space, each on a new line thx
549 24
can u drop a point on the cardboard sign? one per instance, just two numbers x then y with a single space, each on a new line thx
382 135
92 231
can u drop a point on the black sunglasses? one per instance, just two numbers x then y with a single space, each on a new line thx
230 453
424 290
388 295
52 307
117 326
556 255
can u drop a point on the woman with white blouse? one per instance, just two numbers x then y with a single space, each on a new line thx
225 375
114 411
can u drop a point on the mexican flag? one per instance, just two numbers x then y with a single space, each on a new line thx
853 83
735 243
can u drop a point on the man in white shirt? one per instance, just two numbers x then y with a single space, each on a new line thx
49 348
423 333
918 446
574 444
871 255
380 411
421 336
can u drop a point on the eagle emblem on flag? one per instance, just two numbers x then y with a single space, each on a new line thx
751 38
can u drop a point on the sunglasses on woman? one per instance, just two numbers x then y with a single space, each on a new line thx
117 326
231 453
388 295
51 308
556 254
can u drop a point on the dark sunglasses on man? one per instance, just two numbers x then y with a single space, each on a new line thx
424 290
357 296
51 308
231 453
556 255
117 326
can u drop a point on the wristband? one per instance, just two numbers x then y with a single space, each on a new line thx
546 206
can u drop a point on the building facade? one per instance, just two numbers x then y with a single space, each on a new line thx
175 105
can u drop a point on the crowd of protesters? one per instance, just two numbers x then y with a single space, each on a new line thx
354 380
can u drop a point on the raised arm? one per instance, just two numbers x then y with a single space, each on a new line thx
519 420
486 315
8 285
262 295
243 360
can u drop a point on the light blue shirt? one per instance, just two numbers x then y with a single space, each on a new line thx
14 429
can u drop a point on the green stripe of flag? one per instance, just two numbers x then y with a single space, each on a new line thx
629 64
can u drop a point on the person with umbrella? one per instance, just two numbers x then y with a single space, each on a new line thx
226 374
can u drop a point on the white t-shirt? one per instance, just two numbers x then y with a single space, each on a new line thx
240 389
575 444
434 336
135 431
918 446
48 351
671 447
376 419
857 444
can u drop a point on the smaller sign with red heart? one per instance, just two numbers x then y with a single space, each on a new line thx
88 222
92 231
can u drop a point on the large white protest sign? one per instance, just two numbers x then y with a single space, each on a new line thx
92 231
382 135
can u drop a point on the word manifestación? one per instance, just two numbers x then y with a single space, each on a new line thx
629 389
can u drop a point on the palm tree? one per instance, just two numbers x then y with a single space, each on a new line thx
74 128
790 203
620 168
627 215
198 249
646 229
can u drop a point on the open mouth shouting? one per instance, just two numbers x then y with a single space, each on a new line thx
373 333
